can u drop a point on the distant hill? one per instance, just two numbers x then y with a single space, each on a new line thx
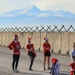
34 16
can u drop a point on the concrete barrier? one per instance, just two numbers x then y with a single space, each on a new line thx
61 42
57 41
72 40
50 36
64 42
36 40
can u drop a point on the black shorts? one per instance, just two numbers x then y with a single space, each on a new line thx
47 54
31 54
73 56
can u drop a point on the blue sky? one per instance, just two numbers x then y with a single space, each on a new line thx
7 6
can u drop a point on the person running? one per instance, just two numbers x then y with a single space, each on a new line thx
73 53
72 66
31 53
15 47
47 53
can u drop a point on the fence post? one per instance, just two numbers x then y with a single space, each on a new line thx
53 41
60 42
46 33
40 41
68 43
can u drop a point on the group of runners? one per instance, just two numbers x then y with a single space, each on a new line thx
15 46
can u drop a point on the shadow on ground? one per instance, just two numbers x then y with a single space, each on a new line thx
63 74
24 73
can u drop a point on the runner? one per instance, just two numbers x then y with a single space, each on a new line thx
73 53
31 53
72 66
47 53
15 47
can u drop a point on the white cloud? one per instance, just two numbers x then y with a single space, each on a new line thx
58 14
66 5
43 15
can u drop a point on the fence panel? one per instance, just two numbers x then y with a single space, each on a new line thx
61 39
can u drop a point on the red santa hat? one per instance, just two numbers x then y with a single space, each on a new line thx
16 35
45 39
29 39
54 60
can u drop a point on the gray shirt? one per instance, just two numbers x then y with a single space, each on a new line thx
72 52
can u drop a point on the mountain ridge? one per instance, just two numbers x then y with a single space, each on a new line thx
32 15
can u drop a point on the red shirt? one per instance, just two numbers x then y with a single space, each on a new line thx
15 46
30 46
46 47
72 65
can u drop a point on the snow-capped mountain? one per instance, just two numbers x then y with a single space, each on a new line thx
34 16
36 12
